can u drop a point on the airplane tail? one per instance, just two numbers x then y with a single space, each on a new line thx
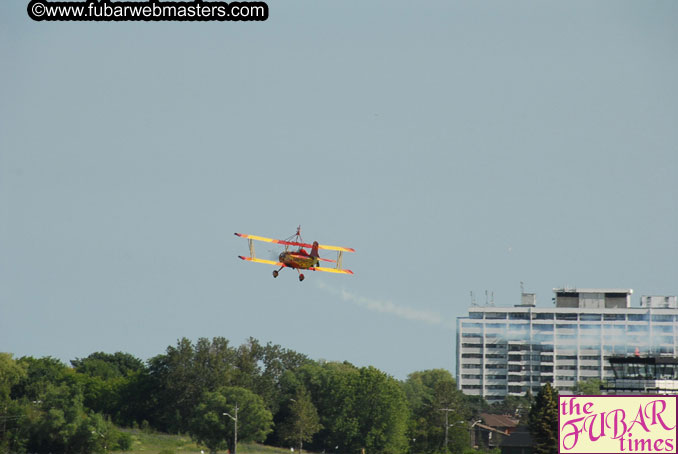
314 251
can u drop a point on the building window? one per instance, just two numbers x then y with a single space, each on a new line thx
495 316
471 325
663 328
542 316
519 316
638 317
471 355
589 326
517 389
560 316
467 345
475 315
614 317
542 327
502 346
662 318
590 317
637 328
496 325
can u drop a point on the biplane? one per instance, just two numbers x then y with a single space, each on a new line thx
299 259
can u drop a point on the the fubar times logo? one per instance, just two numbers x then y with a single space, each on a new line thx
618 424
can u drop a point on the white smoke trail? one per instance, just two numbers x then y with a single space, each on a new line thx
387 307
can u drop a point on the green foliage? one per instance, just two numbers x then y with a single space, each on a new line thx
590 387
302 421
433 396
543 421
178 379
332 407
358 408
215 430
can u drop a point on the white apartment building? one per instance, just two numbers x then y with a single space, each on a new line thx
509 350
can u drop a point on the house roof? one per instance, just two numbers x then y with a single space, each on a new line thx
499 420
491 429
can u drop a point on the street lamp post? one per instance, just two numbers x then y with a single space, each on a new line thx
235 430
447 426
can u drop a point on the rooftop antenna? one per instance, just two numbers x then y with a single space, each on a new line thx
473 299
492 299
487 302
522 287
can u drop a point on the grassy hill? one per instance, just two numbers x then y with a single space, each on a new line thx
156 443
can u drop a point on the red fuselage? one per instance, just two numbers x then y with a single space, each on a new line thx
298 259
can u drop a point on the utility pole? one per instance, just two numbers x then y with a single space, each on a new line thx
235 430
447 425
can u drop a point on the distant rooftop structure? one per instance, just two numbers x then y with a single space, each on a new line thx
593 298
659 302
527 300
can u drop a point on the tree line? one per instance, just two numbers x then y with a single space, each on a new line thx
283 398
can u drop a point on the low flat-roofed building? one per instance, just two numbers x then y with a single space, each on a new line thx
643 375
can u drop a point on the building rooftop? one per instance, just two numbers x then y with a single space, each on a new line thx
499 420
594 290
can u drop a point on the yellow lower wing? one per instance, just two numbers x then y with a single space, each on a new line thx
314 268
268 262
331 270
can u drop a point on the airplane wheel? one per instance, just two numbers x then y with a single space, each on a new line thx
275 273
301 277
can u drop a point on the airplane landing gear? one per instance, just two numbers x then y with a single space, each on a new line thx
301 277
275 273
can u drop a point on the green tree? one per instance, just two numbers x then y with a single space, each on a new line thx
302 422
106 366
11 373
590 387
183 374
543 421
209 425
435 402
382 412
358 408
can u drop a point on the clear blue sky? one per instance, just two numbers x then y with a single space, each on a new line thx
458 146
